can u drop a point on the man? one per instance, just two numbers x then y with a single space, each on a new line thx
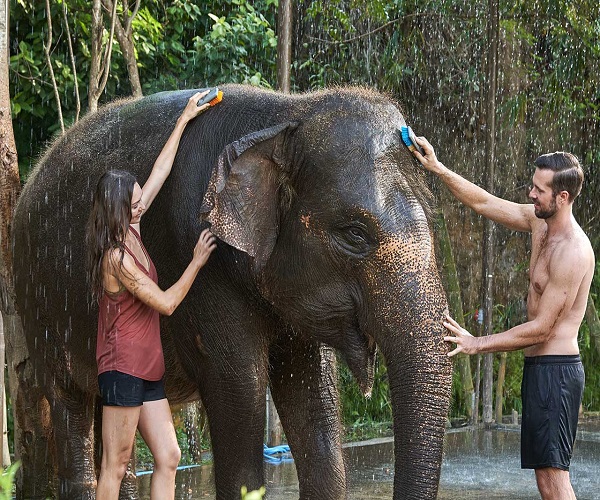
560 272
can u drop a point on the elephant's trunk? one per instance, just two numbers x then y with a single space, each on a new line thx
420 392
420 377
408 328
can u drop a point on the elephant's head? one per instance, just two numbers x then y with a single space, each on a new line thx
335 213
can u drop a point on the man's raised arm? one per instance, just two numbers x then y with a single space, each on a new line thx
512 215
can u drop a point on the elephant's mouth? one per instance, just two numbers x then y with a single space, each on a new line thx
359 351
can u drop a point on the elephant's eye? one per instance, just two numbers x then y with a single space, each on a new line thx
354 238
357 234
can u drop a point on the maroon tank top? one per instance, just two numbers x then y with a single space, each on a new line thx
129 331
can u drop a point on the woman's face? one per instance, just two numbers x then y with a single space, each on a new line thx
137 205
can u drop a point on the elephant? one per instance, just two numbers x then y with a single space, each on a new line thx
325 251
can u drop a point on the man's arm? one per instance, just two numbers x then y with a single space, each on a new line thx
512 215
565 277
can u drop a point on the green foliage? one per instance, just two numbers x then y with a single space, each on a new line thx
590 357
186 45
362 416
179 44
7 480
252 495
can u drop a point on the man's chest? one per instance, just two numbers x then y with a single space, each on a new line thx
539 265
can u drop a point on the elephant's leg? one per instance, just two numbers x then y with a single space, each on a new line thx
232 383
304 387
33 445
32 433
72 417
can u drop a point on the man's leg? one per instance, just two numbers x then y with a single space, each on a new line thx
554 484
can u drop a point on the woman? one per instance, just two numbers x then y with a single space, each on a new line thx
129 352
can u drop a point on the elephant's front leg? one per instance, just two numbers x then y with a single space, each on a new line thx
304 387
233 384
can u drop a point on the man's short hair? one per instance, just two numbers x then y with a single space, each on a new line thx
568 174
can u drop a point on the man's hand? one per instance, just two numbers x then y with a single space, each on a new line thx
465 342
429 160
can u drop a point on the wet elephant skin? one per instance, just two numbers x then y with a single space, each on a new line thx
325 245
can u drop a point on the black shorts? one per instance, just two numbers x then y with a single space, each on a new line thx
121 389
551 391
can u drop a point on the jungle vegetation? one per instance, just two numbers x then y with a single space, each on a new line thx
429 55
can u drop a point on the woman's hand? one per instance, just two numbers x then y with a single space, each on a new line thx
164 163
465 342
207 242
192 110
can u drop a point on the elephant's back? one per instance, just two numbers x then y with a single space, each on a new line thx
52 211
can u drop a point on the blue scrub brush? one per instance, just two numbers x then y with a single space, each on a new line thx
410 140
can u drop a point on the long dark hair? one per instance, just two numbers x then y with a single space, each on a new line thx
108 223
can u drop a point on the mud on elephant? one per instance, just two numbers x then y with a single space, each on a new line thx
325 245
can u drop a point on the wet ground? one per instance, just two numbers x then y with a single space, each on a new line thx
477 464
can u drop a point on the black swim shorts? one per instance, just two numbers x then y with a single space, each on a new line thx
121 389
552 389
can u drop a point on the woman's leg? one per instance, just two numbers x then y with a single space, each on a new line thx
118 431
156 427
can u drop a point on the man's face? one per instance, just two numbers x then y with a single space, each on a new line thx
544 201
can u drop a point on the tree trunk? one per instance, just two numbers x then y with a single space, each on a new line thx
124 33
96 47
455 307
591 318
284 62
9 191
500 387
100 65
10 185
489 232
284 45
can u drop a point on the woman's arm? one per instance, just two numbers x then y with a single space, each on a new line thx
141 286
164 162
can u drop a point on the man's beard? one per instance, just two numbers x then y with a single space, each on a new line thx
546 214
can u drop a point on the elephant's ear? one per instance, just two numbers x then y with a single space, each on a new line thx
242 201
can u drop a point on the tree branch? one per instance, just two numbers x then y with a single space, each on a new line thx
108 52
47 45
125 38
72 57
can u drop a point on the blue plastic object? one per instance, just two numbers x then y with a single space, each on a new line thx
410 140
277 454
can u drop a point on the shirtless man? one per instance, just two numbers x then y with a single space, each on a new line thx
560 273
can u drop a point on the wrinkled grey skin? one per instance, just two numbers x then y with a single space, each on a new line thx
325 244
